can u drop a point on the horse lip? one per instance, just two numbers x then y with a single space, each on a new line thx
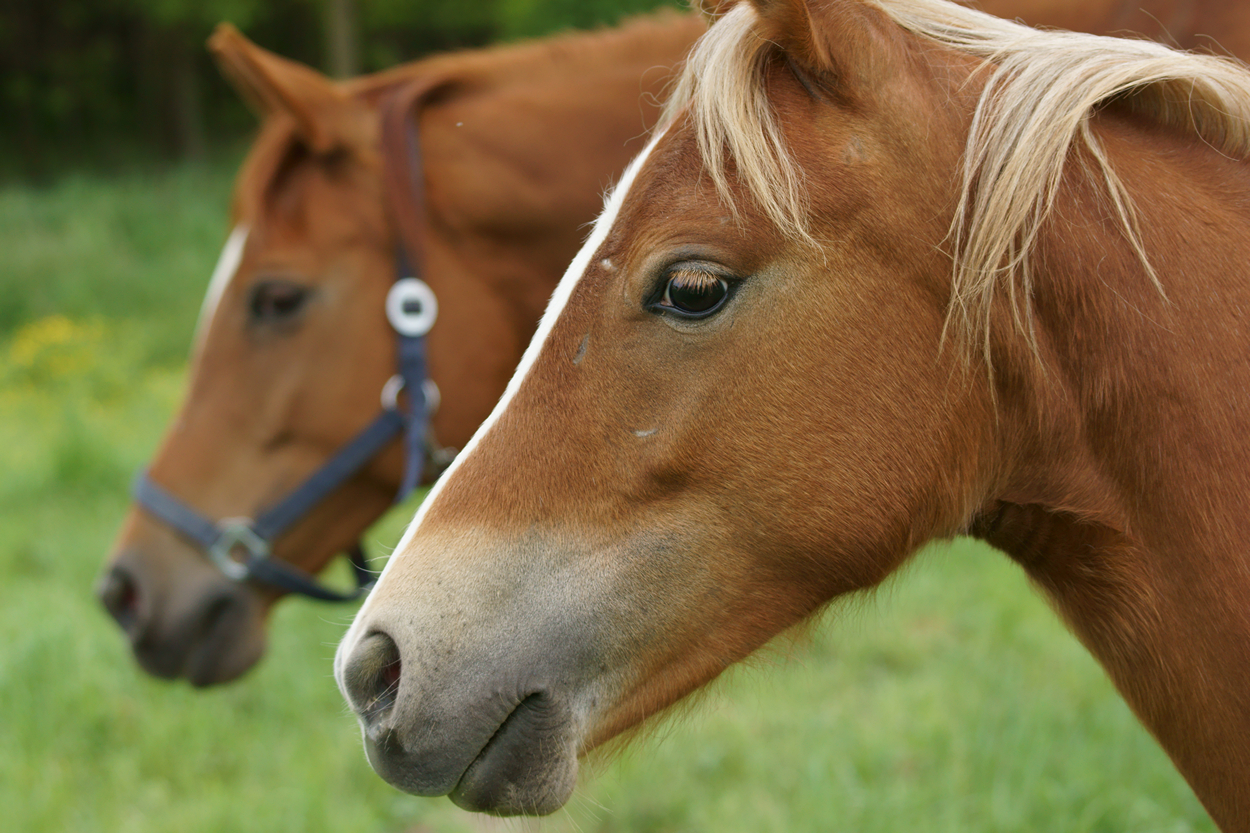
418 772
204 654
206 666
511 775
513 772
222 653
491 742
160 664
414 772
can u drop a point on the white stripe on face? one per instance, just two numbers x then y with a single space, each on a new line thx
225 270
554 308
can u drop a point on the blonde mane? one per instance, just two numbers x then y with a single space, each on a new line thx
1042 88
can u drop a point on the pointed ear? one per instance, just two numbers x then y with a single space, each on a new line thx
852 44
325 117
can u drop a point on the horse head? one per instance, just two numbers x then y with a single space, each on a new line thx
300 346
290 353
889 272
704 444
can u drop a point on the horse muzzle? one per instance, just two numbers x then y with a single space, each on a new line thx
211 631
499 741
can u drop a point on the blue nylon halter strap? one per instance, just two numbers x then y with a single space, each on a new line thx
411 309
221 539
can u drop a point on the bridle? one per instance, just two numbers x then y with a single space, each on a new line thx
411 309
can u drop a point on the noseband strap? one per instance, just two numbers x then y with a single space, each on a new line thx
241 547
253 539
221 540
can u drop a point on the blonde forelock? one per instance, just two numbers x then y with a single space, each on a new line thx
1042 88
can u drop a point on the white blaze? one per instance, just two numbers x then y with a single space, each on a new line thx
225 270
558 300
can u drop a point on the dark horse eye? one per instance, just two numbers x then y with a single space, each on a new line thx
693 292
276 300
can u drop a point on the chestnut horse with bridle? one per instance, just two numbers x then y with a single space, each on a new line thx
891 271
450 192
287 447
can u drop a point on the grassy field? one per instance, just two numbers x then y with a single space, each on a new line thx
952 700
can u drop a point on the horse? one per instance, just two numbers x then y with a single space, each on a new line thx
502 217
294 346
891 271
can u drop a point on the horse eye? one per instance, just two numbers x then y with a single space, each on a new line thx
275 301
693 292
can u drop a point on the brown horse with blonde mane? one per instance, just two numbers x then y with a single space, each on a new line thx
892 271
293 344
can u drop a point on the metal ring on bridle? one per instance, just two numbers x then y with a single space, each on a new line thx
395 384
390 392
411 307
237 532
432 397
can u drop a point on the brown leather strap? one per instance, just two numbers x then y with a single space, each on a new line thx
402 172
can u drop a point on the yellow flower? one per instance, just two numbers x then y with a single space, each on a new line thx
54 347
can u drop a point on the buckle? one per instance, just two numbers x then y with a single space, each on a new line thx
411 307
236 532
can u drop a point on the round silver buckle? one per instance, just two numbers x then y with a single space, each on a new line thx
236 532
411 307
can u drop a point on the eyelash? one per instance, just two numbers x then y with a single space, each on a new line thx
705 292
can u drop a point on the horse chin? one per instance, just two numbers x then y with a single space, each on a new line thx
225 643
528 765
225 663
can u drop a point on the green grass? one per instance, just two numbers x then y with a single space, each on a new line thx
137 250
952 700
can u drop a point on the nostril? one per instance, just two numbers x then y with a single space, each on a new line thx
119 592
372 677
390 676
386 686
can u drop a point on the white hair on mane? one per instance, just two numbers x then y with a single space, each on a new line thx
1042 88
721 84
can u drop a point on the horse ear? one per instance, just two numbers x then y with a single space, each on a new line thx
851 41
325 117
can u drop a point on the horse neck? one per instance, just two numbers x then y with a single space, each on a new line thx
1124 435
664 36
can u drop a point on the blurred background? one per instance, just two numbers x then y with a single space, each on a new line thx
107 82
952 700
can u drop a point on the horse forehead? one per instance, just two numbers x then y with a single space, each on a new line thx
332 205
672 169
668 198
674 207
310 200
